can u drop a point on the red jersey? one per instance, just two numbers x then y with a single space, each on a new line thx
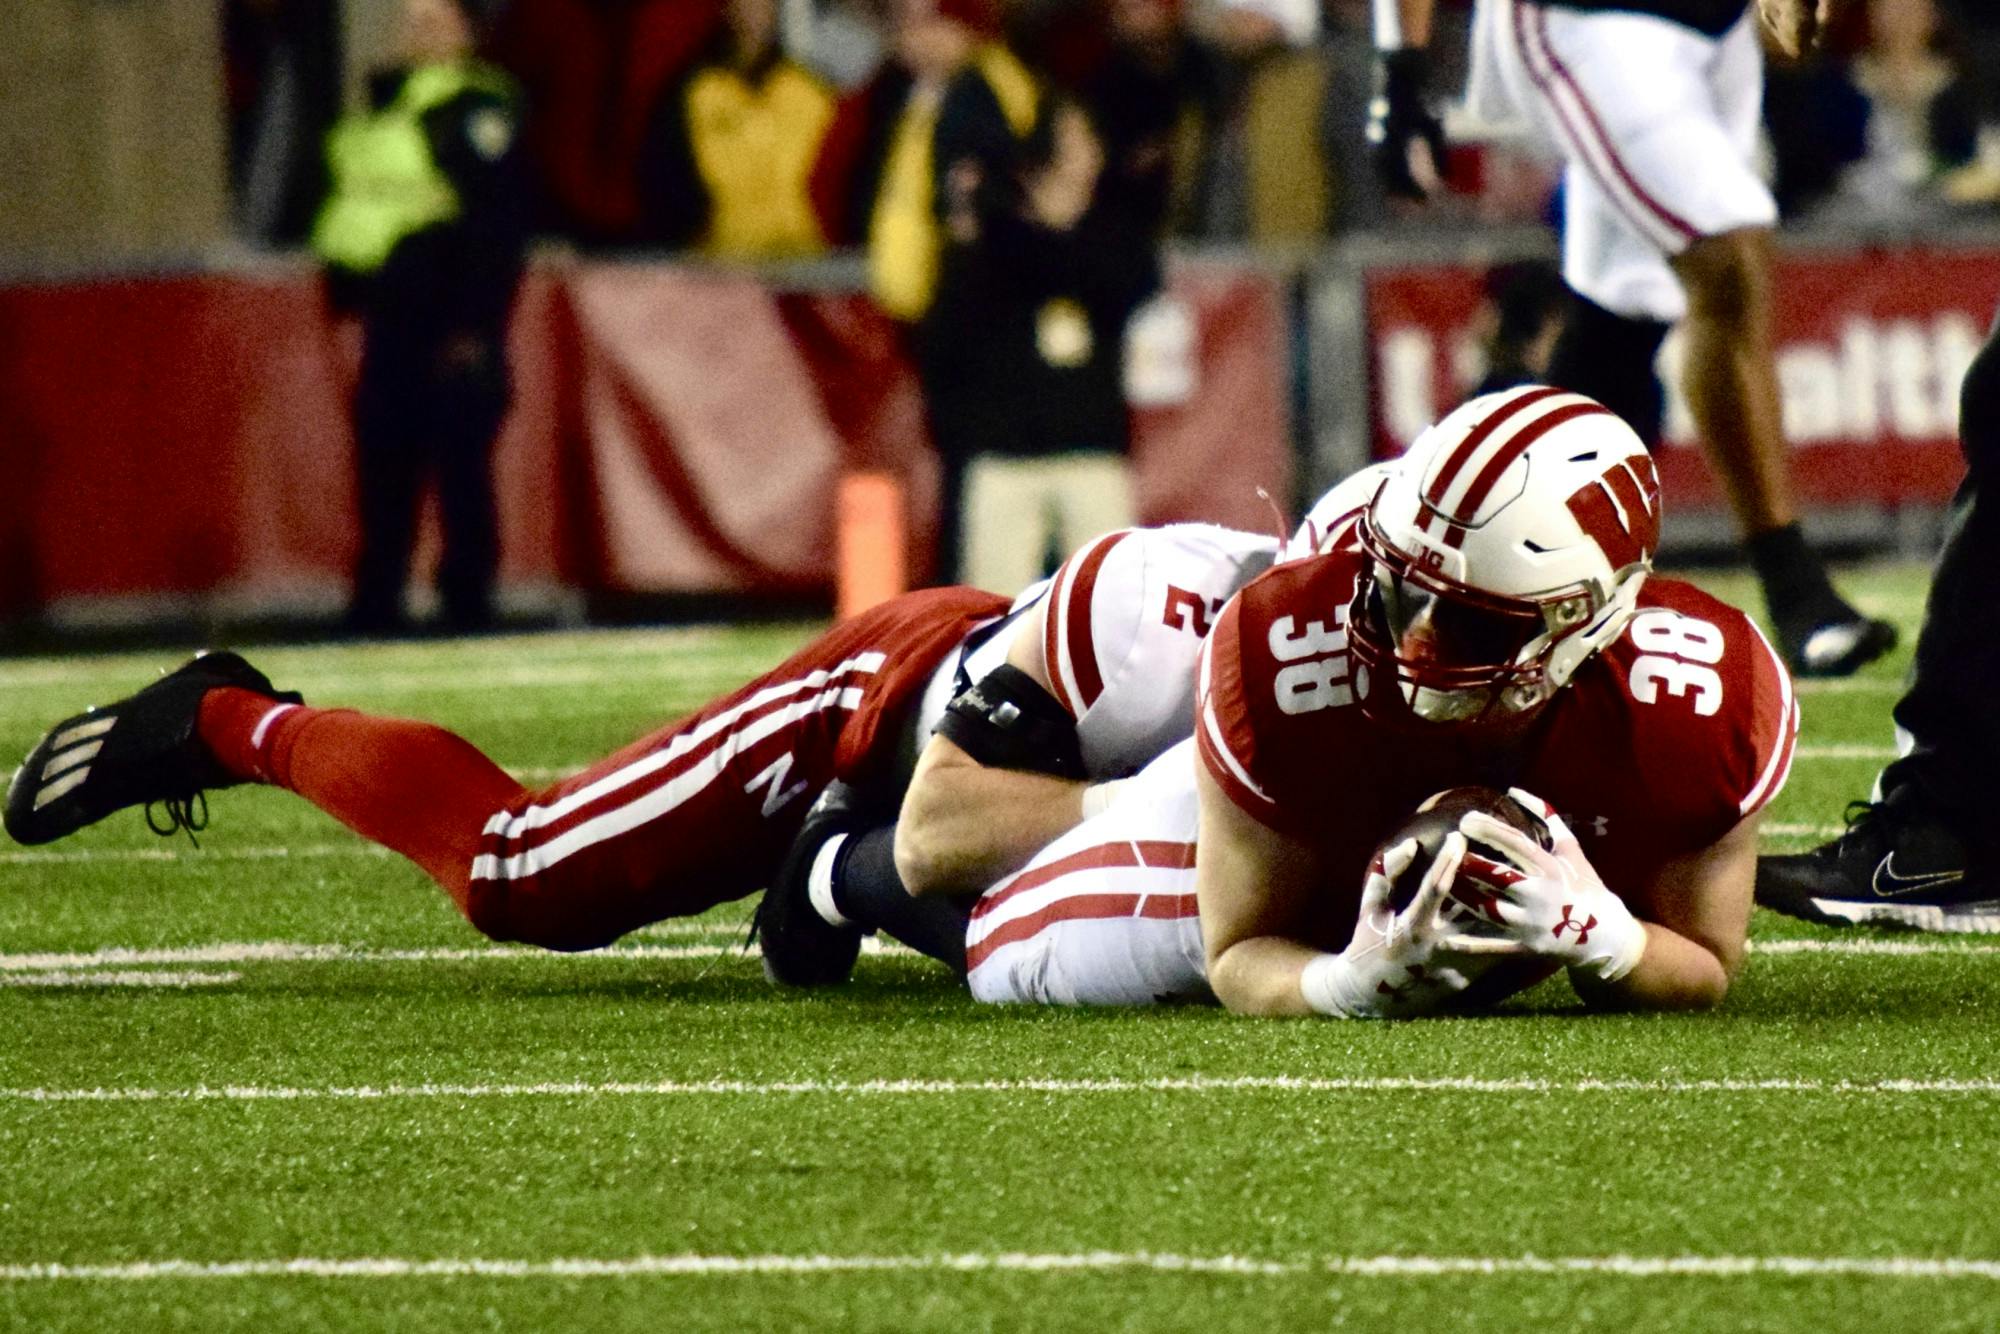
1659 745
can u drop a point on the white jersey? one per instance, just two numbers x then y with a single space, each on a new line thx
1330 523
1126 618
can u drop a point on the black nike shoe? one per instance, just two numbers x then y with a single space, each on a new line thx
1897 865
140 751
801 948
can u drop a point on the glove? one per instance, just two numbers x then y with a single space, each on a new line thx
1400 116
1398 964
1551 900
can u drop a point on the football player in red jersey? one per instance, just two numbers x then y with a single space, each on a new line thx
1495 624
1490 619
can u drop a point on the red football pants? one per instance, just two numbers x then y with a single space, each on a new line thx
693 815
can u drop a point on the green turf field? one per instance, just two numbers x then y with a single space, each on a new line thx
276 1083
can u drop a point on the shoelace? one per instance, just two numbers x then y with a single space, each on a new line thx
181 816
1867 820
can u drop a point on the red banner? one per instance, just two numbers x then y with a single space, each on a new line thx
673 430
1870 347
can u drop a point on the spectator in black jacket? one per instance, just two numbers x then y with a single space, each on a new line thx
1023 349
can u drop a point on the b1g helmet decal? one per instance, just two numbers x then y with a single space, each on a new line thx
1507 546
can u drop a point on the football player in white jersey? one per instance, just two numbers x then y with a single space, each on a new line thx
1032 728
1652 105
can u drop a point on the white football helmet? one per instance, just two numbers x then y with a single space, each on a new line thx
1508 545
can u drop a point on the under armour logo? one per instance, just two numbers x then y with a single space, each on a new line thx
1582 928
1597 826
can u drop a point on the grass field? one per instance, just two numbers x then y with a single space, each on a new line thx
276 1083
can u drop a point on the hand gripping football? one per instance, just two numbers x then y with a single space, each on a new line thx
1439 817
1468 905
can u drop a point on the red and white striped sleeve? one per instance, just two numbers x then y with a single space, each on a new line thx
1069 638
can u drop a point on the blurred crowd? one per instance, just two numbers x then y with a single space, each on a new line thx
767 129
1009 166
1898 119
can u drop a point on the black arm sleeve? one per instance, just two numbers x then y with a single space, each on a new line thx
1008 721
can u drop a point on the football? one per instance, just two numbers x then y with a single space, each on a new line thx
1438 817
1491 978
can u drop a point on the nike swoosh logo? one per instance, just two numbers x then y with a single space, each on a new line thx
1889 885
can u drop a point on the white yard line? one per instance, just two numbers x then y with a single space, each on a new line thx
1820 831
62 977
222 852
1865 947
1845 752
280 951
724 938
950 1087
1850 686
1354 1266
174 852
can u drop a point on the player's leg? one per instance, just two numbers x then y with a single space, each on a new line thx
840 882
1655 120
1923 853
1005 524
389 453
691 816
473 403
1106 914
703 812
1610 358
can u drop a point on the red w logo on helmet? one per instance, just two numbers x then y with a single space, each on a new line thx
1620 511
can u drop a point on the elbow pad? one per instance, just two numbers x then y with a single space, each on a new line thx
1007 721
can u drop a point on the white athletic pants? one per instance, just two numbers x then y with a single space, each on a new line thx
1105 915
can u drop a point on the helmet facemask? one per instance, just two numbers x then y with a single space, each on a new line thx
1461 656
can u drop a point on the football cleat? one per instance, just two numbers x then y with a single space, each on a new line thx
140 751
1838 647
801 948
1895 866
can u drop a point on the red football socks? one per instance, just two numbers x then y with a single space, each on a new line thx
412 787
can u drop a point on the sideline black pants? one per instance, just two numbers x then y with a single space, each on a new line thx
427 407
1952 707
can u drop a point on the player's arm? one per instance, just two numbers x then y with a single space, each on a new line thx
1696 916
1252 884
1678 953
966 822
1405 132
1255 887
